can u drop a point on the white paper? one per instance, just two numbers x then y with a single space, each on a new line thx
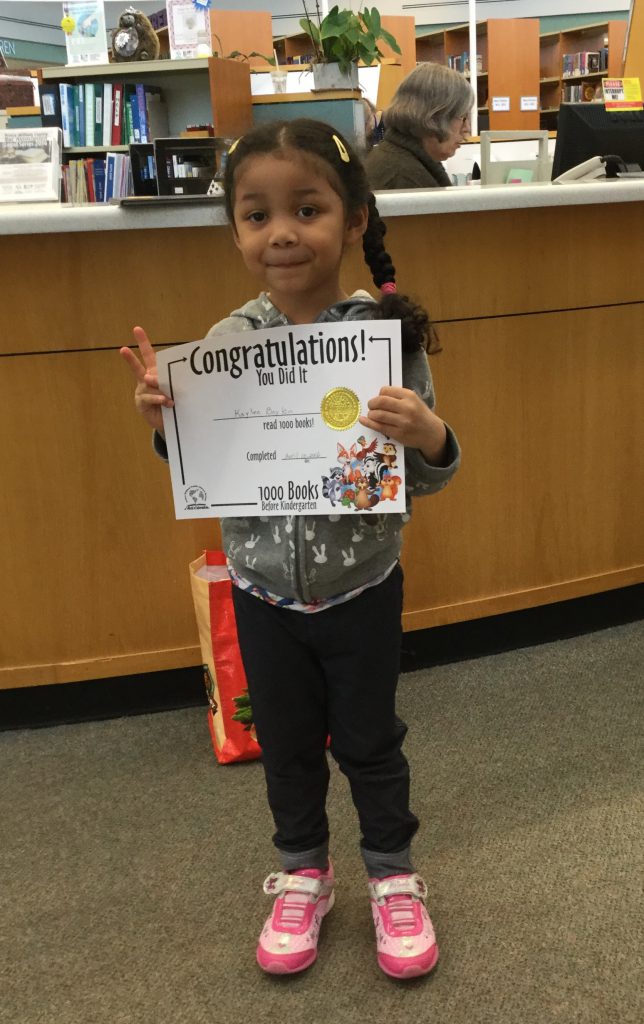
500 103
30 164
87 43
188 29
250 433
529 103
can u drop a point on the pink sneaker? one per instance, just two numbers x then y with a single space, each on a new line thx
289 939
405 940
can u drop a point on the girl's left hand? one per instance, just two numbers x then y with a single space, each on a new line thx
401 413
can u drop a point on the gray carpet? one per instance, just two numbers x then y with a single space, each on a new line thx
131 863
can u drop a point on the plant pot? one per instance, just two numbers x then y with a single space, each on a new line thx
329 76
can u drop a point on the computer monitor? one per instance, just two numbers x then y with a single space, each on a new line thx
585 130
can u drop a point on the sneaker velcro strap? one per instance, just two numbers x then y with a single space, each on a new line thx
280 882
411 885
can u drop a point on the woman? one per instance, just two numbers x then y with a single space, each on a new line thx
429 118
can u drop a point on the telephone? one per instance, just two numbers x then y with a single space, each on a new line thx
599 168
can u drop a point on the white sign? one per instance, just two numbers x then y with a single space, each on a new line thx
266 423
500 103
87 41
188 30
529 103
30 164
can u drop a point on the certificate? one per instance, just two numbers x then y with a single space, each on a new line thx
265 423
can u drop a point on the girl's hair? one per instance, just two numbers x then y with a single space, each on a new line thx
334 157
428 100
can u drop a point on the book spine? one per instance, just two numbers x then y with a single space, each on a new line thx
135 134
109 176
99 180
66 112
107 113
89 174
80 96
117 114
143 113
98 114
76 131
90 113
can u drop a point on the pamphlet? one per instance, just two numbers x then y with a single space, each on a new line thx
188 30
30 164
87 40
267 424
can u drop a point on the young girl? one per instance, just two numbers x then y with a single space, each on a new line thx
319 609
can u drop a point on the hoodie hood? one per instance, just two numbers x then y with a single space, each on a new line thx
261 313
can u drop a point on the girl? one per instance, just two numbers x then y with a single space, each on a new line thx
319 609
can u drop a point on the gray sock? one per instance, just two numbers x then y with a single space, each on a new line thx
316 858
380 865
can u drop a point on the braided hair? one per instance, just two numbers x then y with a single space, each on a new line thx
338 162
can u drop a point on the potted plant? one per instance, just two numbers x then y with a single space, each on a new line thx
340 41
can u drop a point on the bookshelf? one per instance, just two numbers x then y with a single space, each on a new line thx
208 90
509 65
583 38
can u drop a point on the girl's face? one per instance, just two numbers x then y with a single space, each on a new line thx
291 229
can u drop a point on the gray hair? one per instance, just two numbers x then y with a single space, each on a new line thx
428 100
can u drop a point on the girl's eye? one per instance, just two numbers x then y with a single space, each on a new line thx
307 212
256 217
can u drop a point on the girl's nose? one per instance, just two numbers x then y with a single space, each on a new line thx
282 231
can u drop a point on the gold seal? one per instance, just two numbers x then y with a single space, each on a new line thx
340 408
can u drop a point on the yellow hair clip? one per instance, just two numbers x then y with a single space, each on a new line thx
231 149
342 150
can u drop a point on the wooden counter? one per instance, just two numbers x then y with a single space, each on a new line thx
540 310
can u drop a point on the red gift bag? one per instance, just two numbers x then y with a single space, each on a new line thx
230 714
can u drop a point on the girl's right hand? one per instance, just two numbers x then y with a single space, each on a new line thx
147 397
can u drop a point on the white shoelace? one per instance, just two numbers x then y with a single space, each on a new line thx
401 913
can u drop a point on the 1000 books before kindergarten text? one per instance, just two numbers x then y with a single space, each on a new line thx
266 423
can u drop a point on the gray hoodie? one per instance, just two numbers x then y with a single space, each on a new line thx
310 558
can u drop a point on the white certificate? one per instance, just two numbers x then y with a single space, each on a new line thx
265 423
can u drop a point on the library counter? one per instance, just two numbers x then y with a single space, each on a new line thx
539 306
43 218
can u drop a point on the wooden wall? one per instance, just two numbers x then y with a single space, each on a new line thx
541 375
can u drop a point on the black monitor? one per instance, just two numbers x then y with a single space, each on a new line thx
585 130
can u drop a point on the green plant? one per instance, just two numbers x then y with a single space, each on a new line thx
347 37
247 56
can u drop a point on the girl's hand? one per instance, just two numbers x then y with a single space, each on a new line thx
401 414
147 397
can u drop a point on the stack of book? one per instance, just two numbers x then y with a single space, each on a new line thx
104 114
587 62
97 180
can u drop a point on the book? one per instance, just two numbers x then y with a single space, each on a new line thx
30 164
50 111
107 113
77 92
66 94
89 100
117 113
141 103
134 134
98 113
99 180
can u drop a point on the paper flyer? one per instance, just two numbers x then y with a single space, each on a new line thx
86 38
266 423
30 164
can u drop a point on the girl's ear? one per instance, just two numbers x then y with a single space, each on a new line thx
356 224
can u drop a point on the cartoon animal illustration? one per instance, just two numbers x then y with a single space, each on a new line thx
252 541
389 487
389 455
332 485
320 555
373 468
309 529
348 558
348 462
365 449
365 498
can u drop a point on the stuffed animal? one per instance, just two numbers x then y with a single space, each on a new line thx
134 38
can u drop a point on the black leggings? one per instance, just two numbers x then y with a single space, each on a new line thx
333 673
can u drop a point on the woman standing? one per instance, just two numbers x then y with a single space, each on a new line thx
429 118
